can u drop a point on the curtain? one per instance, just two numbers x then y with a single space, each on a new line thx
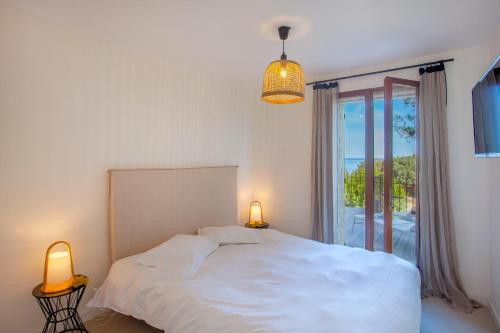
327 164
437 252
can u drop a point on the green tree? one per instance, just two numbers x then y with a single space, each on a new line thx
404 125
403 185
354 187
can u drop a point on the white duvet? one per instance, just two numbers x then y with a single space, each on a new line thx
286 284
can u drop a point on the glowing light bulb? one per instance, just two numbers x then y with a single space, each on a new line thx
283 72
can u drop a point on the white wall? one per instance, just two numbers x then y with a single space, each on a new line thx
282 148
494 197
73 106
281 164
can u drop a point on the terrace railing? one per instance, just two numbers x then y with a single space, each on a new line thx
403 193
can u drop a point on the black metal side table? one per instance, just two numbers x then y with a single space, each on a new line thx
60 309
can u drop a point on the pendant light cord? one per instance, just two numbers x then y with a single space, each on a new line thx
283 55
283 32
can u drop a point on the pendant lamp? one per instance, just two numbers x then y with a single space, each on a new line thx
283 79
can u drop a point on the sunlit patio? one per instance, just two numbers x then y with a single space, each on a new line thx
403 235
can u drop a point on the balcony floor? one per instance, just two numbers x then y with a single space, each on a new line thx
403 242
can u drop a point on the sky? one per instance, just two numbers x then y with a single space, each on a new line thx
354 129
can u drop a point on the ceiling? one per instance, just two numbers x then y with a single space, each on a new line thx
238 37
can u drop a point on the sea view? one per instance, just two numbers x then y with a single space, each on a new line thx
350 163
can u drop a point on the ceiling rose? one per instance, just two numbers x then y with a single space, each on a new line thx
301 26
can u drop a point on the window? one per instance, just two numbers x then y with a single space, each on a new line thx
380 157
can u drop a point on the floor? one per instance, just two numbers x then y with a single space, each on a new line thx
437 317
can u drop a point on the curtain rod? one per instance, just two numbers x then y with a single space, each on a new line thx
381 71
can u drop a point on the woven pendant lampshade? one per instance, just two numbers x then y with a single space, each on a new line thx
283 79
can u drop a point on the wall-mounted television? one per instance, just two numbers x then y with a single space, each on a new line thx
486 112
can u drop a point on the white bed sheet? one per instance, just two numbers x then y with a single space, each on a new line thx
286 284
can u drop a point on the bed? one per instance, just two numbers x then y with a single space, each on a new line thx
284 284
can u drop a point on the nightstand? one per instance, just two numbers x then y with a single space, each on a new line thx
263 225
60 309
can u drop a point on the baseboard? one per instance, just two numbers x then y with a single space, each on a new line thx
494 314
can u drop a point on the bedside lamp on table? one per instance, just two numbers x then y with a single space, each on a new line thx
61 291
58 274
255 216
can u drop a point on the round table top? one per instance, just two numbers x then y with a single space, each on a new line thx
80 280
262 225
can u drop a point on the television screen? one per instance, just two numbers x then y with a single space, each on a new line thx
486 112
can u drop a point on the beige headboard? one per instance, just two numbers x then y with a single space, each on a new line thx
148 206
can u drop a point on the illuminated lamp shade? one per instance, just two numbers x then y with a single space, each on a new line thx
283 79
255 217
58 274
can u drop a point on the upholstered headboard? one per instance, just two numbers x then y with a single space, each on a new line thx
148 206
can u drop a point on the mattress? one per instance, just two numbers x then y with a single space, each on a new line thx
286 284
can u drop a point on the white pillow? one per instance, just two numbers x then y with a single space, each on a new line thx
181 253
231 234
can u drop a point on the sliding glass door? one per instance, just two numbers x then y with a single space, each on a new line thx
400 168
355 106
358 222
380 167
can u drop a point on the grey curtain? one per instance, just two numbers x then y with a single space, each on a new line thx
437 252
322 164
